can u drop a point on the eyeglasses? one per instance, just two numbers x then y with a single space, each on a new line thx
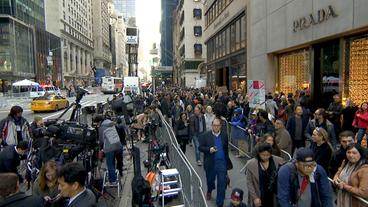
309 164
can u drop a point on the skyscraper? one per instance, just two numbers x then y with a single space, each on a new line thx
126 7
166 45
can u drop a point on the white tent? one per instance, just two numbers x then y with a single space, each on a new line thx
25 82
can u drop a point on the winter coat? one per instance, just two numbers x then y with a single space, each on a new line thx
21 199
283 140
361 120
288 187
252 177
8 131
238 121
194 125
105 139
359 183
312 125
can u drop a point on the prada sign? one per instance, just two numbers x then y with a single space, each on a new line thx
322 15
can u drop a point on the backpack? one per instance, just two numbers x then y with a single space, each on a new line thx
111 139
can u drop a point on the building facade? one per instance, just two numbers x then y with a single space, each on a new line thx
319 46
189 49
71 20
166 30
101 35
225 38
18 20
126 7
120 45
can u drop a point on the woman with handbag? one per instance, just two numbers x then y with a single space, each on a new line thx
182 131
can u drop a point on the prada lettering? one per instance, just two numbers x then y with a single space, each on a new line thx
322 15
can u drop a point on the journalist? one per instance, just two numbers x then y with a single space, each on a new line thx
10 195
111 145
71 179
10 158
38 131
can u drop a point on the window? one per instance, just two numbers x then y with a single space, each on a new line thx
198 49
243 31
197 31
197 13
237 34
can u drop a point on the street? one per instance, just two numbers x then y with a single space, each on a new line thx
88 100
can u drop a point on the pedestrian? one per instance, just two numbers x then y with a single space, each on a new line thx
261 176
71 179
334 112
303 182
14 128
271 106
321 147
209 116
361 121
236 199
11 196
175 112
214 145
352 176
10 158
346 138
282 137
197 126
320 120
264 126
182 131
238 133
348 114
296 127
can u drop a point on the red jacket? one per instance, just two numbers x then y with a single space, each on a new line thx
361 120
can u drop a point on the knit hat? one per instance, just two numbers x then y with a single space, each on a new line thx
237 194
37 118
303 153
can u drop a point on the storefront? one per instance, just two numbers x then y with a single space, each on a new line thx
318 47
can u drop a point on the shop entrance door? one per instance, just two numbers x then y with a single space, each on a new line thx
222 77
327 73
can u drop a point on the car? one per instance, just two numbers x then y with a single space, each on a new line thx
49 103
50 89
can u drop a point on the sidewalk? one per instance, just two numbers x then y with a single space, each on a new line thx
237 178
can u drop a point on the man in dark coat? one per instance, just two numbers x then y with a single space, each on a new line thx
346 138
10 195
197 126
72 177
10 158
214 145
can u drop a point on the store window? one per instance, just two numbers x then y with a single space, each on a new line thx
356 82
293 71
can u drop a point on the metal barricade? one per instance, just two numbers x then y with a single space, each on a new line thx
233 144
361 202
191 182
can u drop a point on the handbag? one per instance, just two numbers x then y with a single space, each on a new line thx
183 132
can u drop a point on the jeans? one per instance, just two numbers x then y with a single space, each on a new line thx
196 147
119 161
360 135
220 172
110 161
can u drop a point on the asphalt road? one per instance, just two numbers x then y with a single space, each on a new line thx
88 100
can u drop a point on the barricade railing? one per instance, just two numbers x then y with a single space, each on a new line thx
233 142
191 182
361 201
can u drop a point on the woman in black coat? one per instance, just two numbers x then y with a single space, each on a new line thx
182 131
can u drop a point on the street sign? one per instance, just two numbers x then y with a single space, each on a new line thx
256 93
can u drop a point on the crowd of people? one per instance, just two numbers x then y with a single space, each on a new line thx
330 142
321 142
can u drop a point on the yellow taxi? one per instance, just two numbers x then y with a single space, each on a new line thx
49 103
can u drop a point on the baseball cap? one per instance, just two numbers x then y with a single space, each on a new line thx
303 153
237 194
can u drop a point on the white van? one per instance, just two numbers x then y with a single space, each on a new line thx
51 89
36 91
